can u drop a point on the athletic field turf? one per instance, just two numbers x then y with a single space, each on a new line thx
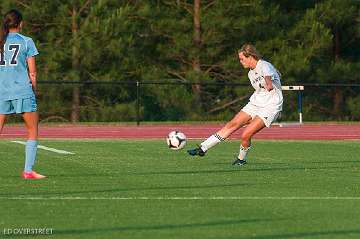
142 189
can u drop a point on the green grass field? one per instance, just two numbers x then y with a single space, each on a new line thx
141 189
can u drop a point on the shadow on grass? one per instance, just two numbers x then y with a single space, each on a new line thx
160 227
125 190
270 163
332 162
235 169
254 163
247 168
331 234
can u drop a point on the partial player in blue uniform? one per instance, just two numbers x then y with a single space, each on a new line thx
18 83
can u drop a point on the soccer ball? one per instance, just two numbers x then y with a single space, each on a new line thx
176 140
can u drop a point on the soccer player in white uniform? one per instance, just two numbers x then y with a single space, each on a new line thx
18 83
262 110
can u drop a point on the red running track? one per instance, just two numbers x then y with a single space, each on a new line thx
289 132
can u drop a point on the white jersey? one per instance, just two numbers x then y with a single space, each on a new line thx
261 97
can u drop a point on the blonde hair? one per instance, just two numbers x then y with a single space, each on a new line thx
250 50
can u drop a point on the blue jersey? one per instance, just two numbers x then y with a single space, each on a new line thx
14 78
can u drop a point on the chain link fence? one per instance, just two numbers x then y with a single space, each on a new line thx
181 101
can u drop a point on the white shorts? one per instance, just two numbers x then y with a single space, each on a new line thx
268 115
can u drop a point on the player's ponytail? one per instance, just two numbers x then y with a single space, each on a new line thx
12 19
3 34
250 50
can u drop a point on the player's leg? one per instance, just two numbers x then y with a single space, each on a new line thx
2 122
255 126
237 122
31 120
5 109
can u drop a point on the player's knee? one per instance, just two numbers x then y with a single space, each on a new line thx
232 125
246 136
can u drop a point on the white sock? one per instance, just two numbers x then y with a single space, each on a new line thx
211 142
243 152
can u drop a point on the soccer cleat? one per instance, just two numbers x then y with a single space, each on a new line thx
239 162
32 175
196 151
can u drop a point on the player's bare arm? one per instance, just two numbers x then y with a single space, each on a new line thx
32 71
268 83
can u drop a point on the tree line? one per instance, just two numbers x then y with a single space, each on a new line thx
183 41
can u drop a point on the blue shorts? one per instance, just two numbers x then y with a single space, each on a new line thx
18 106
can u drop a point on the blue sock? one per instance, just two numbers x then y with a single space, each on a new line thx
30 154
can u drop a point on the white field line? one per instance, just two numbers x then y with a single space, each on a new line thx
179 198
46 148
